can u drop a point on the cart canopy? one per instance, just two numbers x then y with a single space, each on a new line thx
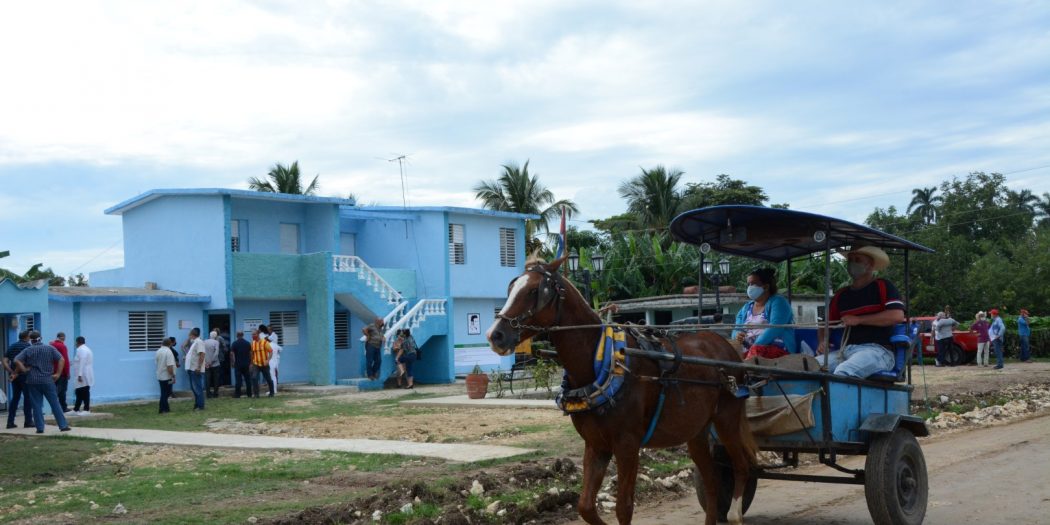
776 235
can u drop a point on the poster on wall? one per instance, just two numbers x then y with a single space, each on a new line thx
473 324
185 324
251 324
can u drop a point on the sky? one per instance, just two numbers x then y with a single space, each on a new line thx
832 107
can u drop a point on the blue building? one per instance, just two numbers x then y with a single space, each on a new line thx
316 269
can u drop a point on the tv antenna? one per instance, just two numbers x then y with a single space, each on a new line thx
401 160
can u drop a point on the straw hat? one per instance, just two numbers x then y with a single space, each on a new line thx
879 258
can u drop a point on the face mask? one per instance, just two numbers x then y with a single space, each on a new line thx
857 269
755 291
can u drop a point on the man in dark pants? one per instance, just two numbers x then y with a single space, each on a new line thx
241 360
62 384
374 338
42 365
18 383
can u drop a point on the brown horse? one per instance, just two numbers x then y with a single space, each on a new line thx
540 299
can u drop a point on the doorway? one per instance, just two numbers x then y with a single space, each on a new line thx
221 323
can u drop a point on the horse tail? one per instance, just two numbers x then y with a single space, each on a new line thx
747 439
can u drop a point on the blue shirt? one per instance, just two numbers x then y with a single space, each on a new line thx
1022 327
40 360
998 329
777 311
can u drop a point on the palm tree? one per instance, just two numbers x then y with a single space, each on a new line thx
1043 210
924 203
283 179
1025 200
517 190
653 196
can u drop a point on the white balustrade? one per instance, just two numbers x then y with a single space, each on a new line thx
354 264
411 319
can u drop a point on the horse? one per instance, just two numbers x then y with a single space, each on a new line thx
540 300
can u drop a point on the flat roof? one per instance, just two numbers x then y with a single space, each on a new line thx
120 294
399 212
151 195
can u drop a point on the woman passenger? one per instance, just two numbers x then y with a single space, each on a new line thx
765 307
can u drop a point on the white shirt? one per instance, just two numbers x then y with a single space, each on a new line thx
164 358
275 357
194 363
83 367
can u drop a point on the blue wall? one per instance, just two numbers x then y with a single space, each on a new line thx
179 243
474 349
383 244
295 366
111 277
482 275
318 224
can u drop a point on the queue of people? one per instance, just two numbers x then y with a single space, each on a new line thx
39 372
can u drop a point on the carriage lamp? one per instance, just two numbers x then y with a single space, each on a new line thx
574 262
598 261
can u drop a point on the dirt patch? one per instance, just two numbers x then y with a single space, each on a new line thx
970 378
974 409
125 457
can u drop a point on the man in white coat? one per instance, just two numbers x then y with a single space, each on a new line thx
83 373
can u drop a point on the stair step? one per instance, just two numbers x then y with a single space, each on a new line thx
362 383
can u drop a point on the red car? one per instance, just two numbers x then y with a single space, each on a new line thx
962 351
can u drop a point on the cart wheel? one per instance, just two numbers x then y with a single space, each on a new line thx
954 355
896 486
967 357
725 489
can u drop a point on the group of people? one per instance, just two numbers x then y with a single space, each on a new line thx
990 335
869 307
406 352
41 371
203 361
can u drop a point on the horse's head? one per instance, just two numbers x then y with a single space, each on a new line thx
533 300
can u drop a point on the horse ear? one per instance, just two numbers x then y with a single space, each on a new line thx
554 265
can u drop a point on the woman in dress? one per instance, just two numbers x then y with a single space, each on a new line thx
765 307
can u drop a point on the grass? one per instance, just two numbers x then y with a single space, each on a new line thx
51 478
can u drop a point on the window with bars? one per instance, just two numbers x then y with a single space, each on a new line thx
456 244
286 324
508 253
146 330
30 322
342 330
238 235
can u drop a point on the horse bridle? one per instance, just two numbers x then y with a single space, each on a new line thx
549 291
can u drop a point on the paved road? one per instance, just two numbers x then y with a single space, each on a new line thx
997 475
449 451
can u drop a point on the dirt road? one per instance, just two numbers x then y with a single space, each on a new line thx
995 475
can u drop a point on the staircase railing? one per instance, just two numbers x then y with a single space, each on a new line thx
354 264
412 318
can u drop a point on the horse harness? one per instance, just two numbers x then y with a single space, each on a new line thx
550 290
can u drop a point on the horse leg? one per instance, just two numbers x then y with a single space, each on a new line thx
626 479
700 452
735 435
594 464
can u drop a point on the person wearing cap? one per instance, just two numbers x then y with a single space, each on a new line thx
980 326
1024 332
943 326
42 365
19 391
870 307
996 333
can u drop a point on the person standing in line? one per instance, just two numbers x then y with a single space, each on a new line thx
18 383
261 361
1024 333
407 351
943 326
196 365
980 326
213 361
62 384
241 361
38 362
84 377
166 365
374 339
276 348
996 334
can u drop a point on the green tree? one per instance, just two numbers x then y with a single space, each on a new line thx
35 273
77 280
653 196
1043 210
724 190
924 204
517 190
284 179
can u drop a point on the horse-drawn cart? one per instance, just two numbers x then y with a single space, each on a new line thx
820 413
628 387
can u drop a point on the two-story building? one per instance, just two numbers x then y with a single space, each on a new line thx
316 269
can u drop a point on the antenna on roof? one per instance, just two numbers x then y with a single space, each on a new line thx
401 159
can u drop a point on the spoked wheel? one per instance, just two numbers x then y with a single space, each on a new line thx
896 485
725 486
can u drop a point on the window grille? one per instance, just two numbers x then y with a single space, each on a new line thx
508 253
342 330
456 244
146 330
286 324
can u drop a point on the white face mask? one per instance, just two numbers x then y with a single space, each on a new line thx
755 291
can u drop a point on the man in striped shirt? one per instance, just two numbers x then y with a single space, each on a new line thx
261 354
42 365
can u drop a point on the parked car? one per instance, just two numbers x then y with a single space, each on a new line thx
962 351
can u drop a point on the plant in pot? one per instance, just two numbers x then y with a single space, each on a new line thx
477 383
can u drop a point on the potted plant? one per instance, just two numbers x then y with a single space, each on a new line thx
477 383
